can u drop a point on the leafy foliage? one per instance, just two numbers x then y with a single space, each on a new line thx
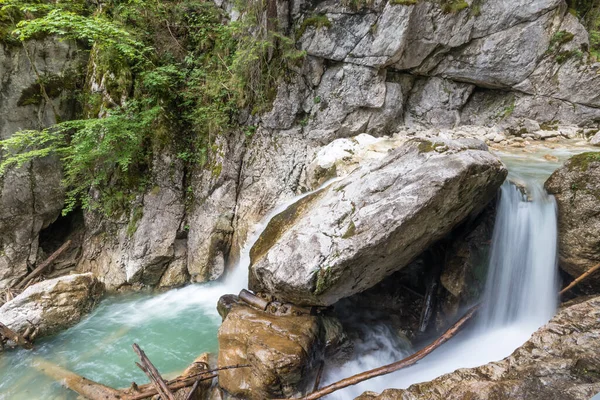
175 73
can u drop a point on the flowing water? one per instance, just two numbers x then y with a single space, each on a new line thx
175 327
521 287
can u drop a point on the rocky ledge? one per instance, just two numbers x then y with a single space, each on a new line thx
576 187
560 361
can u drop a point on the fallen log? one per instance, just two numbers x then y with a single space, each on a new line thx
85 387
581 278
96 391
175 386
387 369
253 300
38 271
152 373
11 335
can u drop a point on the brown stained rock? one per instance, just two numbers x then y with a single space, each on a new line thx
576 187
560 362
283 352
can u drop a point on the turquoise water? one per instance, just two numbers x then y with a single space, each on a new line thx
538 161
174 327
170 329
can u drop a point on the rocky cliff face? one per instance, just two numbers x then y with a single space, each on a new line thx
31 197
371 67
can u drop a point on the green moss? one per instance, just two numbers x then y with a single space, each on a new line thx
560 38
404 2
54 86
582 161
351 231
549 125
217 169
563 56
315 21
136 216
426 146
454 6
279 224
323 280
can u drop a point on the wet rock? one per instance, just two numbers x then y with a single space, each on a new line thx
52 305
373 222
283 353
560 361
595 140
576 187
465 266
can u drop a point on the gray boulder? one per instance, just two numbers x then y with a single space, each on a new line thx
52 305
576 187
352 234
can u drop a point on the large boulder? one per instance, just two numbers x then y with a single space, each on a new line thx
576 187
282 352
52 305
560 361
349 236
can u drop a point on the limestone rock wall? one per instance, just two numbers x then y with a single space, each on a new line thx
377 68
31 197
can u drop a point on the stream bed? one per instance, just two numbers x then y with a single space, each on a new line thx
174 327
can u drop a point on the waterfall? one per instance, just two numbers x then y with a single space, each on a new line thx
521 286
519 297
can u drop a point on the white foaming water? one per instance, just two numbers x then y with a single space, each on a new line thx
205 296
522 283
520 296
173 328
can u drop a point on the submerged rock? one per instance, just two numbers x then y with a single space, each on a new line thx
351 235
52 305
282 351
560 361
576 187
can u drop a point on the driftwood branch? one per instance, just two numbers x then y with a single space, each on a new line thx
38 271
318 378
580 279
192 391
152 373
96 391
387 369
15 337
85 387
173 386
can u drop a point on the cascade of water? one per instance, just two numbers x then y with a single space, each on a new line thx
520 296
521 285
